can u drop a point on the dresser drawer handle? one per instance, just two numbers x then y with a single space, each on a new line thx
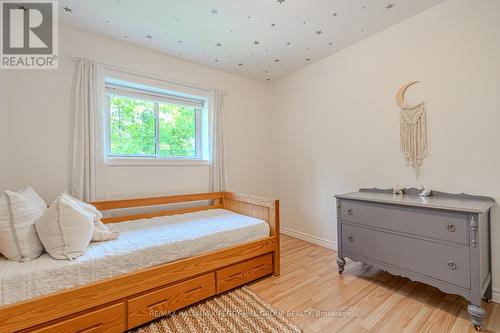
452 265
349 212
350 239
451 228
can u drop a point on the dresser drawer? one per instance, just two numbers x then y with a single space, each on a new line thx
236 275
442 262
147 307
437 224
110 319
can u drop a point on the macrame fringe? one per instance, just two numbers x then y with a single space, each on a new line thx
413 136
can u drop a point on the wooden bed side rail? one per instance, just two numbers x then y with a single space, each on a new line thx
115 219
259 207
250 205
156 201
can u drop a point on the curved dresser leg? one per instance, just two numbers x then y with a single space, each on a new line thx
341 264
477 314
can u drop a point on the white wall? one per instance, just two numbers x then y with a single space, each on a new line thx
336 123
4 129
40 119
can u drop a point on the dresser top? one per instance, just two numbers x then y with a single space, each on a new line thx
439 200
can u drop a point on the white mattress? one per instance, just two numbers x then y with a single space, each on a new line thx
141 244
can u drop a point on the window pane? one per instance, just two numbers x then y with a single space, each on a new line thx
132 126
177 130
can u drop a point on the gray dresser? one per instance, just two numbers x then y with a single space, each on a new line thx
442 240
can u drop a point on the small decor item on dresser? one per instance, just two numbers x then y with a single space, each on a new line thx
413 130
443 241
398 190
425 192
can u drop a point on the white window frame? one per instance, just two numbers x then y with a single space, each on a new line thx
157 96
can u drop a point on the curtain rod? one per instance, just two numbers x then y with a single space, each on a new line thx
69 57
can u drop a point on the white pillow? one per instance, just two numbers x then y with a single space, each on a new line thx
86 206
30 194
101 231
65 229
18 212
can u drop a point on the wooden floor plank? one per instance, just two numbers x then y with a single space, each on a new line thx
362 299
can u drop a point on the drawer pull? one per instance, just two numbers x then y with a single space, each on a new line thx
162 303
452 265
193 290
234 276
451 228
349 212
350 239
92 329
159 304
263 266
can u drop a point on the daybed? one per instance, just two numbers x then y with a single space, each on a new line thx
162 261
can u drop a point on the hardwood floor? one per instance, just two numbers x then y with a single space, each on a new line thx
371 300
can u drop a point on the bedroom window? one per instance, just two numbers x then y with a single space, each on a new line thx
150 124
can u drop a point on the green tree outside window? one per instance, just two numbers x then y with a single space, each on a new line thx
133 128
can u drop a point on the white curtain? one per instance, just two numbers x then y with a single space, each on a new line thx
216 137
88 131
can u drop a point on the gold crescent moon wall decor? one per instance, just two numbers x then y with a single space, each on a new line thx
413 130
400 96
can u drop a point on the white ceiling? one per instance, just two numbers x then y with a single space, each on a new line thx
260 39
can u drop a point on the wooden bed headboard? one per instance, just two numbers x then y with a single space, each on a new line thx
254 206
258 207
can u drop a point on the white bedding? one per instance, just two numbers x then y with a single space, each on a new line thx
141 244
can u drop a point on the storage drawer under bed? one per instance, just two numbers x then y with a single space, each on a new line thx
110 319
246 271
155 304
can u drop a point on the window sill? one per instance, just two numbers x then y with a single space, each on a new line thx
127 161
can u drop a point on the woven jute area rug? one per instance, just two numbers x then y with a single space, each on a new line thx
240 310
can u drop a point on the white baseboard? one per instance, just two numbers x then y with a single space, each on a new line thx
496 295
309 238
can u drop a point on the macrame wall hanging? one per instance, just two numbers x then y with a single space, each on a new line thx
413 131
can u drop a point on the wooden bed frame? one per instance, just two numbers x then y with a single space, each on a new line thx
127 301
